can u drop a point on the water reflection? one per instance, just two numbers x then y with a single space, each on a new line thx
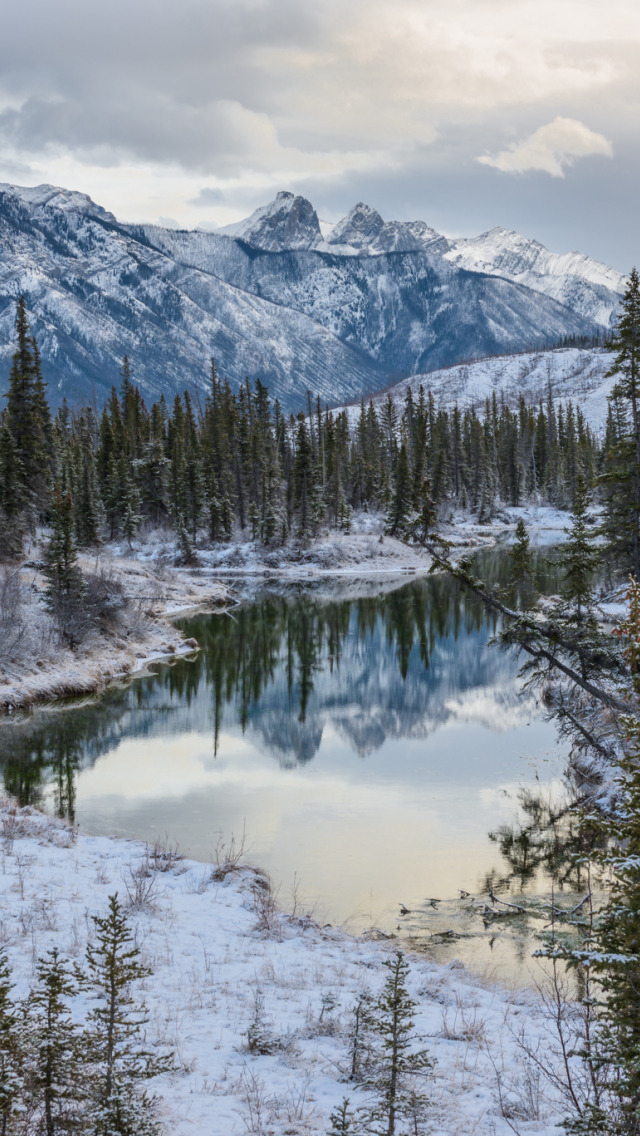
367 734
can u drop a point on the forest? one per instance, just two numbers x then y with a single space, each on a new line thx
235 467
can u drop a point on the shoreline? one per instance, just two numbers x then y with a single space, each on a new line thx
219 946
158 594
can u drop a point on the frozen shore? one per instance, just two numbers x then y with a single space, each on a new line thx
219 946
35 668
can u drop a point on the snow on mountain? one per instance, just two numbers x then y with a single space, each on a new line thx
97 290
576 374
364 231
583 284
586 286
340 312
407 312
288 222
66 200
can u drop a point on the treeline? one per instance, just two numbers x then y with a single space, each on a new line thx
236 465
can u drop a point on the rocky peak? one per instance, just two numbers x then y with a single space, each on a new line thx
288 222
358 229
54 197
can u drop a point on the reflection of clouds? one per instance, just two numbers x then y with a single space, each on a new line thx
496 710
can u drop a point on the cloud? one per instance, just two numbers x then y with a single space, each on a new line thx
552 148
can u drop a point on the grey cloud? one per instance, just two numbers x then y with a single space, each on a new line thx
389 101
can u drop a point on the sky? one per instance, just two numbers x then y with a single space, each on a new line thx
463 113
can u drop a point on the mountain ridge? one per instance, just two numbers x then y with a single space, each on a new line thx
275 299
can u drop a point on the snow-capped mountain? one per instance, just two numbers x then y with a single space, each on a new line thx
339 310
583 284
569 373
289 222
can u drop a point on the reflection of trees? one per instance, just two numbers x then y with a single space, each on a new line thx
245 652
242 651
549 838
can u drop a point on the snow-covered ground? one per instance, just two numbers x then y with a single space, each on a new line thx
35 666
570 374
217 944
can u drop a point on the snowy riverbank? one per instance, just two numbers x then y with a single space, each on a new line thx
36 668
218 946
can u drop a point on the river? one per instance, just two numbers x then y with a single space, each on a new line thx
374 746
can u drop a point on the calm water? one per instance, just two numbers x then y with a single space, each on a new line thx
373 744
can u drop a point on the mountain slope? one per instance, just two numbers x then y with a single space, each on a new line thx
340 314
581 283
97 290
571 373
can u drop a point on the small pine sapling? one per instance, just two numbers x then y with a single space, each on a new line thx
397 1069
260 1039
12 1042
120 1063
55 1066
341 1120
359 1037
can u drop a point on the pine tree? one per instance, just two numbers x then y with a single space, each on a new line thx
56 1086
614 954
12 518
341 1120
620 480
521 565
579 556
11 1057
400 509
398 1068
28 418
65 589
120 1062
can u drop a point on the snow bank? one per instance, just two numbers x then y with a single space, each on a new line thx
216 942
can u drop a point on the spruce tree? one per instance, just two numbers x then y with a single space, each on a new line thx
521 565
12 516
28 418
398 1068
400 508
12 1043
341 1120
579 557
614 953
620 479
65 589
56 1086
121 1064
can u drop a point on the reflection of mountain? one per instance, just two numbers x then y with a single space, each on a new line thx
397 664
367 700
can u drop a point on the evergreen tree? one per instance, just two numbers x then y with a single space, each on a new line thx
621 476
400 509
121 1064
398 1068
341 1120
521 565
614 953
65 589
579 556
12 1043
56 1087
28 418
11 495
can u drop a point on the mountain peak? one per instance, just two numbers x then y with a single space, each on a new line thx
287 222
55 197
359 228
